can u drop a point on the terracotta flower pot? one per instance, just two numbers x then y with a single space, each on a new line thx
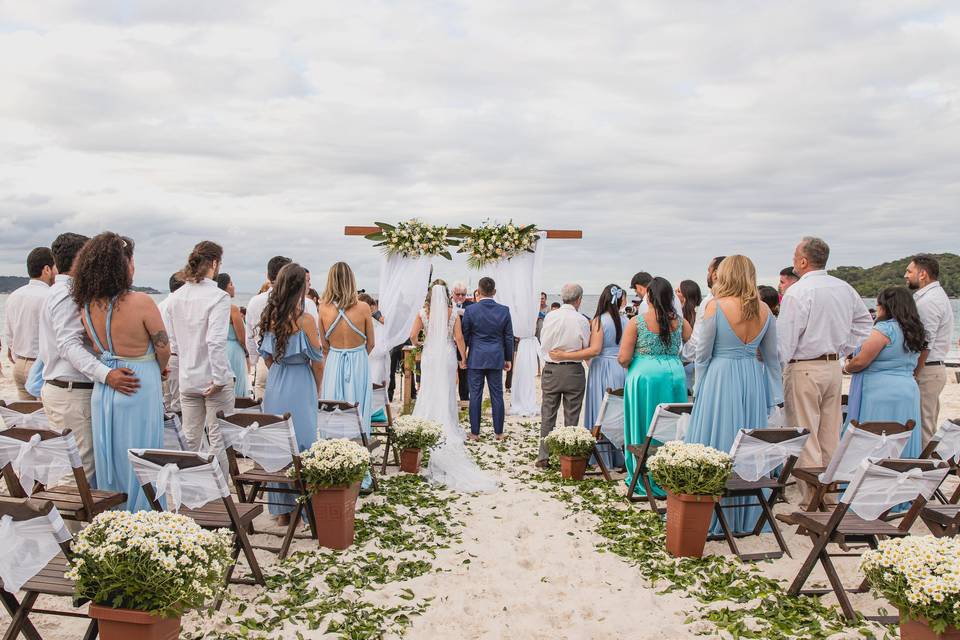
127 624
410 460
919 629
688 520
334 509
572 468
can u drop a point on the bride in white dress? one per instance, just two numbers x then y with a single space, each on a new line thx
450 463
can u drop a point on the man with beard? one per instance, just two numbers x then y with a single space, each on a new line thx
937 317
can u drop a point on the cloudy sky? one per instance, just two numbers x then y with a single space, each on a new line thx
667 131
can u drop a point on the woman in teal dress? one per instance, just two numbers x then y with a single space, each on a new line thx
651 349
236 341
347 334
734 388
291 348
883 388
120 322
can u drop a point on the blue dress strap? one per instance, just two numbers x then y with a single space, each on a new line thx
333 325
93 331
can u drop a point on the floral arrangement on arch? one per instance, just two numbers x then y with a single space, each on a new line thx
920 576
494 242
413 239
158 562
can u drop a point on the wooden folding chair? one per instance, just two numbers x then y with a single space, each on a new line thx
668 423
879 440
945 445
75 501
251 484
206 484
24 413
756 453
943 520
609 420
342 420
875 488
247 405
384 429
50 580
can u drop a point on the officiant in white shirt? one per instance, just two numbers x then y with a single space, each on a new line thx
822 320
21 334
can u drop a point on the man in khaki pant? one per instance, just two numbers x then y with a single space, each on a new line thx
936 314
822 319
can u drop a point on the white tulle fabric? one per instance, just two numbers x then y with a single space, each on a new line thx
28 546
450 463
875 489
34 420
193 487
948 440
610 419
401 295
173 436
857 445
518 287
777 418
378 399
666 425
339 423
271 446
43 461
754 458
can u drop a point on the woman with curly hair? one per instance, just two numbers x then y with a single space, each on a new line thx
290 347
127 331
883 388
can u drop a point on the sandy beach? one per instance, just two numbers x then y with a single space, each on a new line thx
516 563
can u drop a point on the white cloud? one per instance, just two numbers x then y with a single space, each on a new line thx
668 132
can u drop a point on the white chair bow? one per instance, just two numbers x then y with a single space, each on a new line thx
875 489
948 440
667 425
29 545
272 446
37 460
33 420
193 487
857 445
754 458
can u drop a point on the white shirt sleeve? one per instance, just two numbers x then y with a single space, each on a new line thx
930 317
249 324
70 333
218 323
862 325
790 323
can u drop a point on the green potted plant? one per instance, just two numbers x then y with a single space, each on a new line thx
694 477
332 470
412 436
573 445
142 571
920 576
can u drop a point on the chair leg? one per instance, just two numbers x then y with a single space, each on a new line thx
722 519
601 464
633 487
386 455
248 554
819 548
19 616
228 574
651 496
93 630
816 502
837 585
768 515
291 531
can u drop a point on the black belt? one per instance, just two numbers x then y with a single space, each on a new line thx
26 359
935 363
70 385
564 362
827 357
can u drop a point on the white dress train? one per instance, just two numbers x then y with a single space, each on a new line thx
450 464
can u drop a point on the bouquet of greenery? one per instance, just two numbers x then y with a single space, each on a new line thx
157 562
493 242
919 575
416 433
575 442
413 239
691 469
333 463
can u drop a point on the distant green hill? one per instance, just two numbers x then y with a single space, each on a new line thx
9 284
870 281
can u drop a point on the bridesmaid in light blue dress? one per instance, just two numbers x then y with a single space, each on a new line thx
236 338
606 331
735 389
120 321
883 367
293 367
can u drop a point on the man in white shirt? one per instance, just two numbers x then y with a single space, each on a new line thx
822 320
689 350
171 384
565 329
22 332
198 315
69 363
639 284
933 305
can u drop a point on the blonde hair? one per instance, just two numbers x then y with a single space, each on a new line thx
341 289
736 277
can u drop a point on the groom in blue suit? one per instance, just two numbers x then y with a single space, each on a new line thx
488 332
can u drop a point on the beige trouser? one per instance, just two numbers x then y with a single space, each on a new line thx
812 399
561 383
931 381
21 370
200 414
260 379
70 409
171 386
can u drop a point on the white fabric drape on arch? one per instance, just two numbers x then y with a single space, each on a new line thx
403 282
518 287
